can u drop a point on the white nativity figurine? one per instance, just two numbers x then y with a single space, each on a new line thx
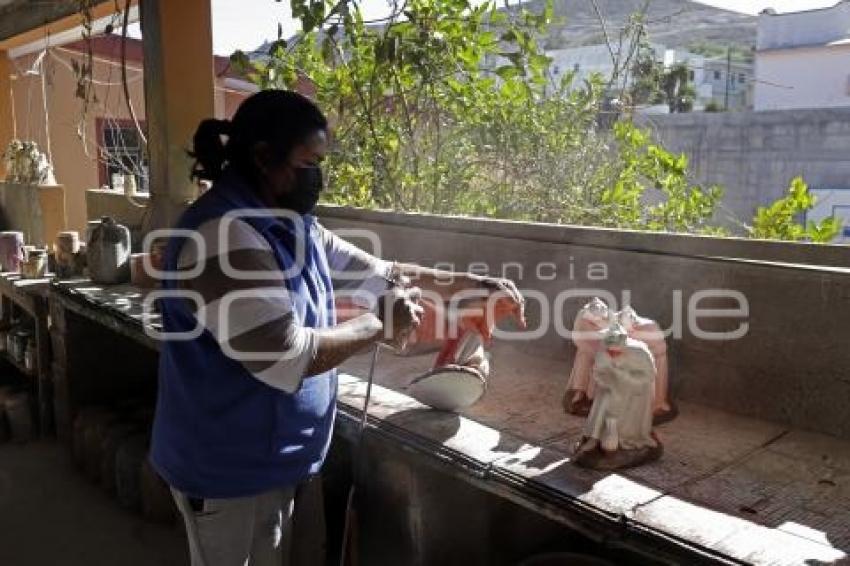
590 323
618 431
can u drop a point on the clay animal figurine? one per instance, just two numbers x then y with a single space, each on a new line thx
590 323
618 431
459 376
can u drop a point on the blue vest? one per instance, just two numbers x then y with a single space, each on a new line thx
218 431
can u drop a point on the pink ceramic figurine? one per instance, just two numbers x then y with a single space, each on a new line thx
590 322
589 326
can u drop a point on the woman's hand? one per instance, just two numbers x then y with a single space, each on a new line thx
399 311
509 302
498 285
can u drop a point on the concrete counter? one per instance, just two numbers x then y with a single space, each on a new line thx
727 488
752 487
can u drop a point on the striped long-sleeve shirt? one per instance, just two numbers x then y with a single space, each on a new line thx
253 319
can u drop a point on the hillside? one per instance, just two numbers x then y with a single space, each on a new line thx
674 23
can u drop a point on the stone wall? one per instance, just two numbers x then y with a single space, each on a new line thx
755 154
790 367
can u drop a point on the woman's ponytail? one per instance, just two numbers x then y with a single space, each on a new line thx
209 150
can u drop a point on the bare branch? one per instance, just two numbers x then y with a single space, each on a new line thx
605 33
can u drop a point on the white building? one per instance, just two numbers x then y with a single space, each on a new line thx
803 59
720 82
585 61
708 76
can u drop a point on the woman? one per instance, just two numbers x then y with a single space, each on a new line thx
247 379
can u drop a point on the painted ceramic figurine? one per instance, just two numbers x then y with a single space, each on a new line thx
27 165
459 376
618 432
588 328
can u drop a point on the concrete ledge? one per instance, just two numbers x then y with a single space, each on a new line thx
616 508
662 243
37 210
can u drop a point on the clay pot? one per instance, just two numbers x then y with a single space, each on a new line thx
82 422
157 503
139 275
93 438
67 247
129 458
115 435
19 417
34 265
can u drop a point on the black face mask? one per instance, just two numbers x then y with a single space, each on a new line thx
305 192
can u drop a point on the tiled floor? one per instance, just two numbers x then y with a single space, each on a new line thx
50 514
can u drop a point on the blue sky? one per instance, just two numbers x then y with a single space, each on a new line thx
235 26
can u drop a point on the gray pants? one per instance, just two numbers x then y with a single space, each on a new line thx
257 531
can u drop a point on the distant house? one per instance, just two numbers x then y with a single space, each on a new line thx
584 61
803 59
726 84
720 82
95 146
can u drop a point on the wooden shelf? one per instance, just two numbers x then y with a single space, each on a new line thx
24 292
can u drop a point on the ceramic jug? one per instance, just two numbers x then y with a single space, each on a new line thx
108 252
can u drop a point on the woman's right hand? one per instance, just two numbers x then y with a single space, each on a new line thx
400 312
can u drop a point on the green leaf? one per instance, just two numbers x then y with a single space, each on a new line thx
507 71
509 36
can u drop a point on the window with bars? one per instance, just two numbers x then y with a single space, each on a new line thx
121 155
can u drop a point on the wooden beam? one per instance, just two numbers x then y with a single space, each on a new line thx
7 111
23 22
179 93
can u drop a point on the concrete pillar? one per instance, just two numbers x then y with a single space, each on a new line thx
179 93
7 112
